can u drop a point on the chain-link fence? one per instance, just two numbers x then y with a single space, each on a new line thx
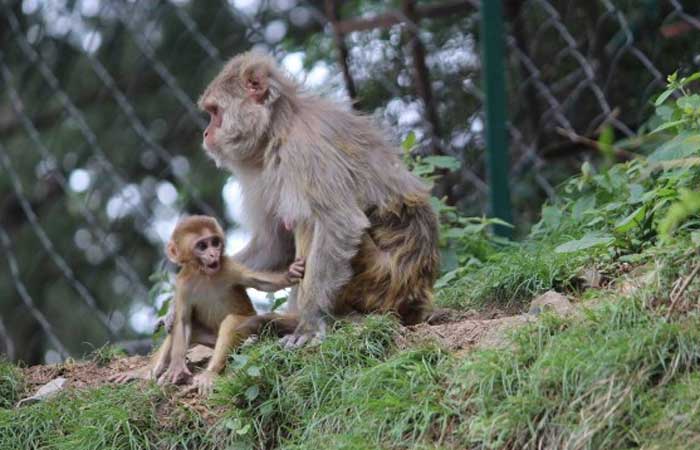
99 132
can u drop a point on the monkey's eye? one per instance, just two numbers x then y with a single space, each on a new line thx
215 241
212 109
201 245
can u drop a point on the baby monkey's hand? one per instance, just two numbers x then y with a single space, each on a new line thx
296 270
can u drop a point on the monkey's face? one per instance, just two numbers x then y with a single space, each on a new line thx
236 127
240 103
208 250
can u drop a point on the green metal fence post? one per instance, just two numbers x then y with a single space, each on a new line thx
493 71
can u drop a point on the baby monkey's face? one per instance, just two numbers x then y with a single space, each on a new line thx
208 250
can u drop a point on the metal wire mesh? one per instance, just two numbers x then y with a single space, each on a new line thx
82 81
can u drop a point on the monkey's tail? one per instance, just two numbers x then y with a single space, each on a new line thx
276 324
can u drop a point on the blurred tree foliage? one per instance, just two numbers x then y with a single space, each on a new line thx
128 143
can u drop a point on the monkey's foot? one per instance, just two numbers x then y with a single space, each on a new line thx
298 340
136 374
176 374
203 382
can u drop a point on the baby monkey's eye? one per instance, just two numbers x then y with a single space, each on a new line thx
201 245
216 241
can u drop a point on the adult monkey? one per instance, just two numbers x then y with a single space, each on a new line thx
326 176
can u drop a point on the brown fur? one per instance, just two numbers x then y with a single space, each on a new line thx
361 220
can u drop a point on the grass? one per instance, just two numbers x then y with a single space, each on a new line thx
11 384
512 277
620 376
579 384
109 417
102 356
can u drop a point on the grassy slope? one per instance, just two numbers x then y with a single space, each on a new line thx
621 375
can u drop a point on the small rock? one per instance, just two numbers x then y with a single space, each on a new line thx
48 390
551 301
199 354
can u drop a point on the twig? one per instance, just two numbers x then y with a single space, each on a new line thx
684 286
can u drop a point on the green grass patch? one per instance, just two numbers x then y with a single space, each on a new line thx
114 417
352 391
578 384
512 277
11 384
106 354
672 415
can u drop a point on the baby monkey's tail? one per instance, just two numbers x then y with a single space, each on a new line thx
276 324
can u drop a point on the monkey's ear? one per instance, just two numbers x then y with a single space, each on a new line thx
171 252
259 85
256 84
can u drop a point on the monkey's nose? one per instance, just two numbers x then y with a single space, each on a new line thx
206 133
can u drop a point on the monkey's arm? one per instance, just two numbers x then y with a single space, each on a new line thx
335 239
271 281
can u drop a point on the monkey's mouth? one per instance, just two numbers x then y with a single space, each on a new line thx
212 267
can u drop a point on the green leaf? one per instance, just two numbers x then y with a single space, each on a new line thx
636 192
588 241
423 169
668 125
665 112
445 279
630 221
278 303
239 361
164 307
253 371
682 146
583 205
689 104
691 78
551 217
409 142
664 95
687 205
443 162
252 393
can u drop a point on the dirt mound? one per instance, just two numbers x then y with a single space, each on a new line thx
455 331
84 374
458 331
464 334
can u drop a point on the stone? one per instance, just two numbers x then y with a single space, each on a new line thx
551 301
199 354
48 390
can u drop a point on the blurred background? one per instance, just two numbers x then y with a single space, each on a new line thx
100 137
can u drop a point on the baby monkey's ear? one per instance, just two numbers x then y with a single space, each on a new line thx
172 253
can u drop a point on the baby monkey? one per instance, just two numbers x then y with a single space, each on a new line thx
210 303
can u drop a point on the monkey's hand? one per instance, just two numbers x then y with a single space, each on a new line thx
166 321
296 270
204 382
312 332
177 373
137 374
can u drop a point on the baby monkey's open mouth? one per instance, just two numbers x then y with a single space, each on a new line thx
212 267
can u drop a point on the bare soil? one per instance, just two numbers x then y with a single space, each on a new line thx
467 331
